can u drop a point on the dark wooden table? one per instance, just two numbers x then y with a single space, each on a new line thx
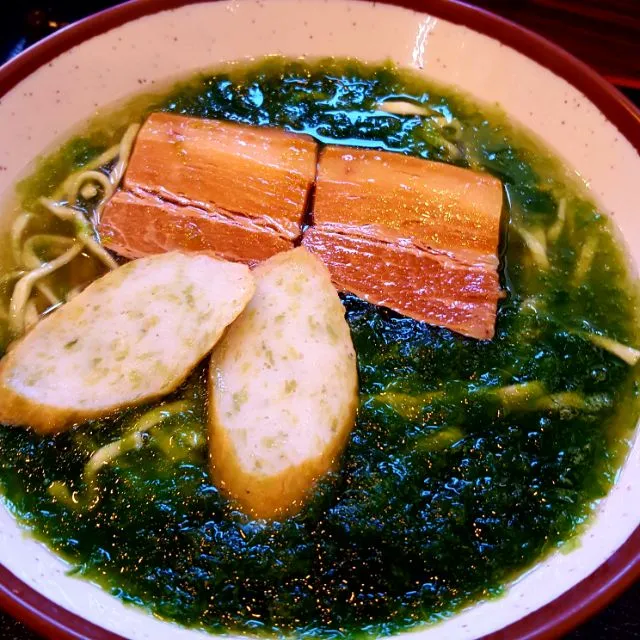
603 33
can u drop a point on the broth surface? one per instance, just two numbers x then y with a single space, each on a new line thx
469 460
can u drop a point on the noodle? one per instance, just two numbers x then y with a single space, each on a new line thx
83 230
585 259
70 188
29 258
23 288
88 182
31 315
157 415
627 354
89 191
74 292
556 229
103 159
98 251
66 213
405 108
131 440
453 124
31 261
17 230
126 145
81 178
47 292
14 275
535 246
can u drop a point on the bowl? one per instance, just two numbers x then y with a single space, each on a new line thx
53 87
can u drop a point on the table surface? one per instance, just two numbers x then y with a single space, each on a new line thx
605 34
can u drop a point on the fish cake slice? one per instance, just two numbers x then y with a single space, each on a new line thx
283 388
130 337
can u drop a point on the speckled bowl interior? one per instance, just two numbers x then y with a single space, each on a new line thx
58 97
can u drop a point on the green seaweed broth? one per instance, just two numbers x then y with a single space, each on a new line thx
469 460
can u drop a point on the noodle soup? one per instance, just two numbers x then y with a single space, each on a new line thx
469 459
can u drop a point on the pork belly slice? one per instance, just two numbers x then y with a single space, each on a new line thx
237 190
422 284
259 172
139 224
283 388
396 197
415 236
130 337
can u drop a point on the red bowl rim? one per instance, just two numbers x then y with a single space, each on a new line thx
552 620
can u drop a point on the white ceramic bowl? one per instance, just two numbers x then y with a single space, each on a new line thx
56 86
